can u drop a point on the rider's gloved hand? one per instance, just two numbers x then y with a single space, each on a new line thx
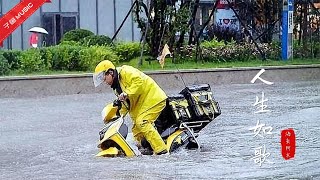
123 96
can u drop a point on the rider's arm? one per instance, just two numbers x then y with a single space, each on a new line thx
133 81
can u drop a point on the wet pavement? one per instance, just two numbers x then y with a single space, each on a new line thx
56 138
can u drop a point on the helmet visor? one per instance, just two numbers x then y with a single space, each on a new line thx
98 78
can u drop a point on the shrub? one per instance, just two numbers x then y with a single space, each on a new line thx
65 57
229 53
240 52
272 50
31 61
46 56
92 40
127 50
57 57
71 43
316 50
76 35
299 51
91 56
4 65
214 43
185 53
311 50
74 58
12 57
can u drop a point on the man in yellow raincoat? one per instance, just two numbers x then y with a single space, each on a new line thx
144 97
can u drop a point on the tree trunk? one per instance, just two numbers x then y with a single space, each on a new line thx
192 22
305 25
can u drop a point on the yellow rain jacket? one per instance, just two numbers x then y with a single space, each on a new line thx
147 100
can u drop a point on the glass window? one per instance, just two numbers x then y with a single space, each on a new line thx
69 23
57 24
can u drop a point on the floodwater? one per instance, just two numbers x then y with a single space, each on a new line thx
56 138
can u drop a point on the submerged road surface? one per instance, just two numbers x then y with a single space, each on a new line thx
56 138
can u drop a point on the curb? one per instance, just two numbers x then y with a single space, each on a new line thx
65 84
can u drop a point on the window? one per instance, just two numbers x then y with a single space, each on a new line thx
57 24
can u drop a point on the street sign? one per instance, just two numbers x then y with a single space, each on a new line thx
287 29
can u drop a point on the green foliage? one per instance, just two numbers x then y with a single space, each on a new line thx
239 52
75 57
31 61
57 58
185 53
71 43
100 40
298 50
215 51
168 19
316 50
272 50
65 57
182 17
46 56
127 50
76 35
214 43
91 56
4 65
71 56
12 57
311 50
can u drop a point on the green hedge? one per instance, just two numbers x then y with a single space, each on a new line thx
12 57
76 35
31 61
127 50
185 53
91 56
63 57
312 50
239 52
75 56
100 40
55 58
4 65
214 43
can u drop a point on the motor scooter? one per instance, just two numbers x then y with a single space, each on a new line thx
185 115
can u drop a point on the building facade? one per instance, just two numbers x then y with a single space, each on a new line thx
102 17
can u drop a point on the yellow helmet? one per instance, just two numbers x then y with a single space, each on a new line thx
100 70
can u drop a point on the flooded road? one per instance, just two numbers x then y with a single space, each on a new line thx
56 138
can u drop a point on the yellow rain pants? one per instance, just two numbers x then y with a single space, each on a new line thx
144 127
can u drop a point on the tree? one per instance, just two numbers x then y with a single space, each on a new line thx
261 16
168 22
171 21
